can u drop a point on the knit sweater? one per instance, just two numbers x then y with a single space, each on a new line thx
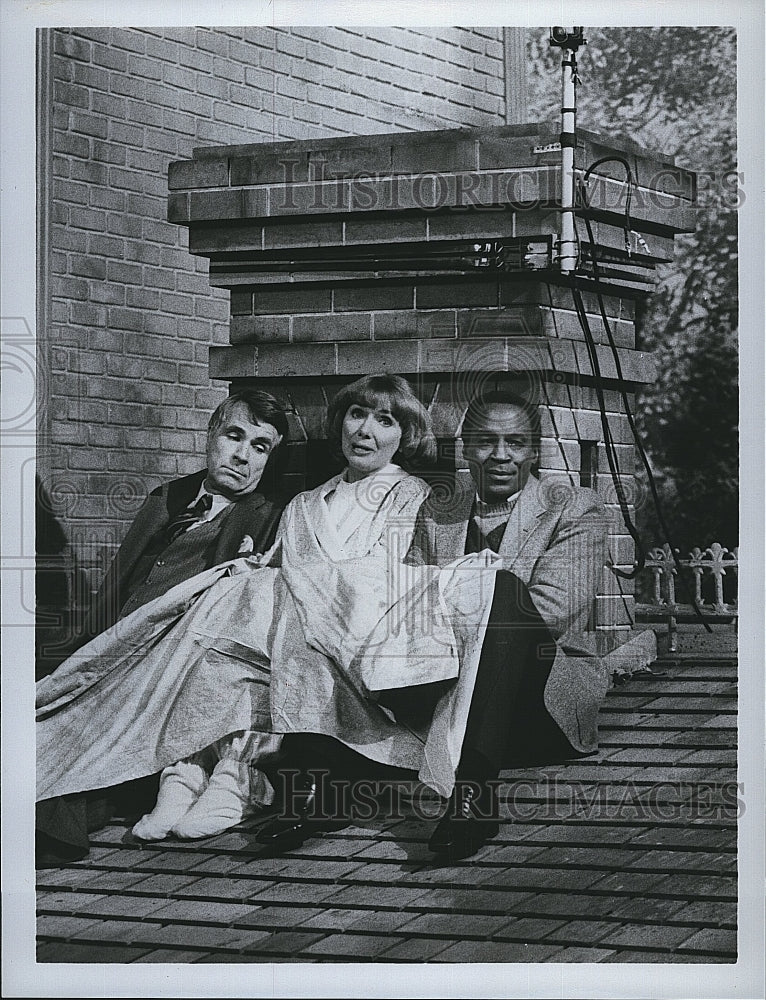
487 524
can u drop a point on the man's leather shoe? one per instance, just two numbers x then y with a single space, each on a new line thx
310 814
469 822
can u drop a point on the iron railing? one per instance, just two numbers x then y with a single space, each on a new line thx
709 578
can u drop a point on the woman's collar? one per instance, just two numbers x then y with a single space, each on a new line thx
390 471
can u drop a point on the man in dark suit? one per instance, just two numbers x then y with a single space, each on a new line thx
183 528
190 524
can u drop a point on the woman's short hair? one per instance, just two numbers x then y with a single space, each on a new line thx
392 393
261 406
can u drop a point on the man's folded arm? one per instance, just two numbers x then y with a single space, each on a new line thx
566 576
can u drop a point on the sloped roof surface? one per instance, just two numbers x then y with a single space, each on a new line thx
625 857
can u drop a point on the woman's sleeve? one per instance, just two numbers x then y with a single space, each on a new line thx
402 519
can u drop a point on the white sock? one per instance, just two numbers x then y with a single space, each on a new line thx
181 785
226 801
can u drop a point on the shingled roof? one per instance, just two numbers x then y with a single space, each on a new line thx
629 856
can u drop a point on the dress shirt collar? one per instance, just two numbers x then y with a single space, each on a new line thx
220 502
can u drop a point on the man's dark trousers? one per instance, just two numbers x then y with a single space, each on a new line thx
508 723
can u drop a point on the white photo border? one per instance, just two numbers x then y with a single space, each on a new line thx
22 977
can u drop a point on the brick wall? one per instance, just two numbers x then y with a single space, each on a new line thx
131 312
570 416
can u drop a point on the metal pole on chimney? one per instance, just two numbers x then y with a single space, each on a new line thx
568 40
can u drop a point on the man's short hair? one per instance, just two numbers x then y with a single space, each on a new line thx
478 405
395 394
261 406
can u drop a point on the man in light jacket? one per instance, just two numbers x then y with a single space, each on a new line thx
540 682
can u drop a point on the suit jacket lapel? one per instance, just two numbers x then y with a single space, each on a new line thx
160 508
522 522
181 492
237 523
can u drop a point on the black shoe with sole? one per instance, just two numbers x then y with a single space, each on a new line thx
470 821
310 814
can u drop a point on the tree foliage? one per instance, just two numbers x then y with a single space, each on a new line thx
674 90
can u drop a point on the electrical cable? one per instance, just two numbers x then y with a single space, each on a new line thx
609 446
628 194
585 208
571 41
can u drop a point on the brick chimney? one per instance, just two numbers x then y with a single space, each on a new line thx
433 255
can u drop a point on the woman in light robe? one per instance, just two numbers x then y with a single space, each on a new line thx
332 607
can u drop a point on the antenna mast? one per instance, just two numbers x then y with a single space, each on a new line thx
569 41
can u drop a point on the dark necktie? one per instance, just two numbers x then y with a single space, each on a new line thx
183 521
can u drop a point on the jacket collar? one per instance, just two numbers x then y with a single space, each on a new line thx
181 492
451 533
522 522
389 475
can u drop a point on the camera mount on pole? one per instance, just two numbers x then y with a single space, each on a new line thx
569 41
